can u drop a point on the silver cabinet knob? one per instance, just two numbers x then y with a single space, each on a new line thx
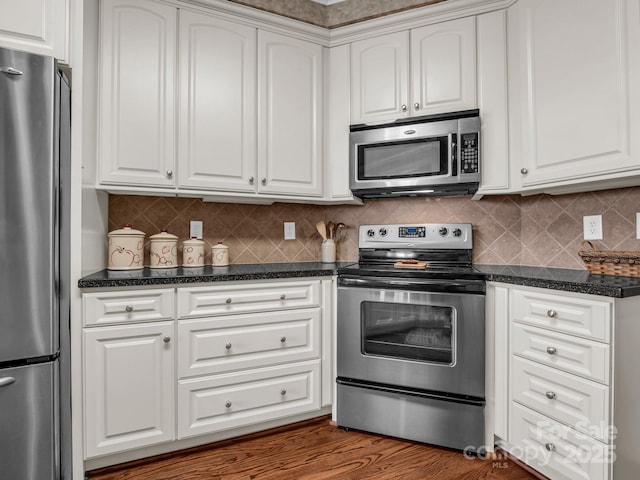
416 106
166 339
524 171
550 395
128 308
283 391
550 447
552 313
228 300
283 296
227 404
403 108
263 181
283 339
551 350
169 173
251 180
227 346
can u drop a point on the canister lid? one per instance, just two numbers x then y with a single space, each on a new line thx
219 246
193 241
163 235
126 231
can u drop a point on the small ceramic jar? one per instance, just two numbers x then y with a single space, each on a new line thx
126 249
193 253
220 255
328 251
164 250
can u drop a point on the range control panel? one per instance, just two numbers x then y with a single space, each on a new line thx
425 235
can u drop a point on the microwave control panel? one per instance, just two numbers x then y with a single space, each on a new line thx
469 153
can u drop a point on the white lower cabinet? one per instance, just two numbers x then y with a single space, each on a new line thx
215 361
128 384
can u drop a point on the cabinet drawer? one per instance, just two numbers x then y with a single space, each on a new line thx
573 354
556 450
222 300
222 344
106 308
212 404
580 403
575 316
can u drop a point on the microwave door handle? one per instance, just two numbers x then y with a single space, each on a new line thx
453 150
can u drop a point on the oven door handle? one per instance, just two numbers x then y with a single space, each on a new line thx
423 284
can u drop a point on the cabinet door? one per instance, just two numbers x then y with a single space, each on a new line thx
380 78
129 387
443 67
217 130
574 72
136 112
37 26
290 115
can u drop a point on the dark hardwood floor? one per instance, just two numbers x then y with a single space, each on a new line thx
314 450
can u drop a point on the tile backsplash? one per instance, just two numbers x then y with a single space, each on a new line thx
539 230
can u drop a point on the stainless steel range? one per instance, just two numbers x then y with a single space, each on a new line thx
411 336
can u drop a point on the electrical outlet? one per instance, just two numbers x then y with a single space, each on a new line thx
592 227
289 230
195 229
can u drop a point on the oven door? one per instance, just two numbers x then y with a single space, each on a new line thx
415 334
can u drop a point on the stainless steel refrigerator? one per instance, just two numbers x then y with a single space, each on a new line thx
34 268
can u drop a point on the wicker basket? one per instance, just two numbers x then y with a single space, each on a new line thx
623 264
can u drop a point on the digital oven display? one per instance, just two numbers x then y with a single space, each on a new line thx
412 232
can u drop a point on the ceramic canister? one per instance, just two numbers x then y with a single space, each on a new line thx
220 255
125 249
164 250
193 253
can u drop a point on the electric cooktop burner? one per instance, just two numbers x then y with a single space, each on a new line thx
415 250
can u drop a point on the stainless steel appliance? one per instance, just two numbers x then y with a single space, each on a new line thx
432 155
411 336
34 279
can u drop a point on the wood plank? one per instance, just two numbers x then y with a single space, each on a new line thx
316 450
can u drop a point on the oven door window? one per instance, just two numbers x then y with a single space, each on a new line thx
413 158
424 333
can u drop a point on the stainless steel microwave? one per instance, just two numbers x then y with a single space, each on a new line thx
432 155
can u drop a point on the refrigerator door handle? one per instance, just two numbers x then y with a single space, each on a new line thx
10 71
6 381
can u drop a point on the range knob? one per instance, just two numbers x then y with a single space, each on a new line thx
457 232
443 231
383 232
371 233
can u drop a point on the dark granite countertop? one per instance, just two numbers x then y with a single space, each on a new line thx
206 274
579 281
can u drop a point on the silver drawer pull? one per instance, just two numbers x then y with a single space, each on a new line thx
550 395
228 346
552 313
550 447
227 404
10 71
551 350
166 339
283 339
283 392
228 300
128 309
283 296
6 381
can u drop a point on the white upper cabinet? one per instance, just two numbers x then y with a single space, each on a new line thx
217 128
36 26
290 88
427 70
574 90
136 134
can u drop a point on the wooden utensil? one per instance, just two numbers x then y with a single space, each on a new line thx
322 229
331 226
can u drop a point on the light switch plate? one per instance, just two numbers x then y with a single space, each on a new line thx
289 230
592 225
638 225
195 229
